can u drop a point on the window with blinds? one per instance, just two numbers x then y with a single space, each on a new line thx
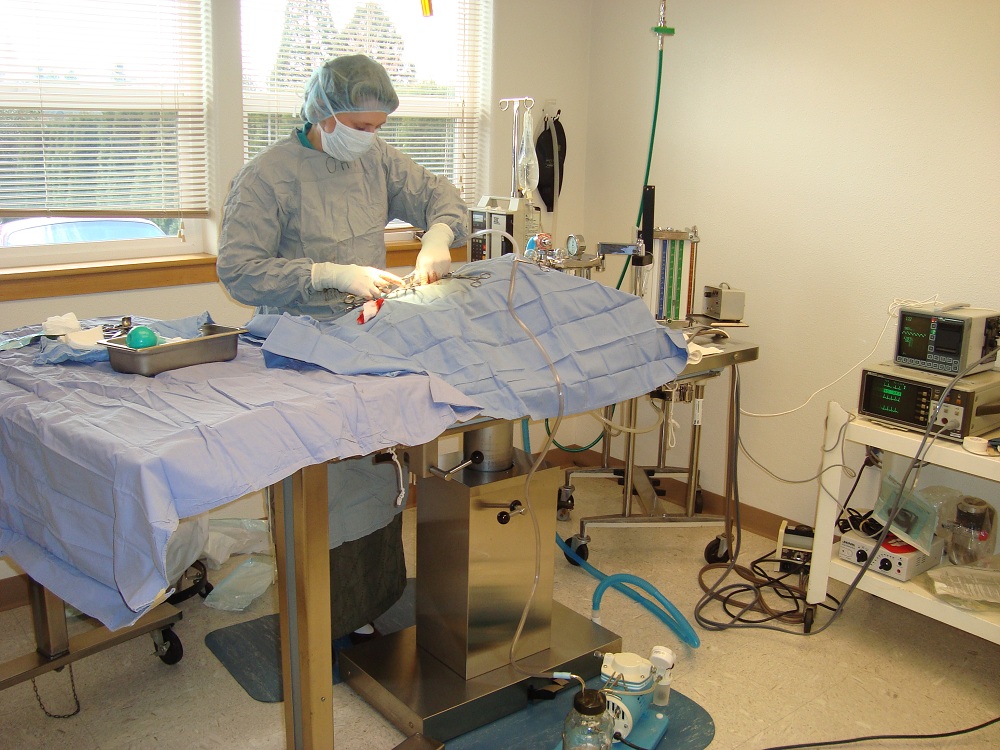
102 109
438 66
110 117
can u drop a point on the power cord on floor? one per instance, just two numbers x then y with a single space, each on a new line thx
880 737
758 583
733 534
738 609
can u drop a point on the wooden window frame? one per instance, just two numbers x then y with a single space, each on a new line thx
64 280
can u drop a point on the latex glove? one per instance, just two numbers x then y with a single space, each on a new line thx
361 281
434 258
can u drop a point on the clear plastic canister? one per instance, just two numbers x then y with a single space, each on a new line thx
588 725
972 535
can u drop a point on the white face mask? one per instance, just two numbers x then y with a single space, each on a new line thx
345 143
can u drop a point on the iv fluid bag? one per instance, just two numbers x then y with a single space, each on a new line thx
527 161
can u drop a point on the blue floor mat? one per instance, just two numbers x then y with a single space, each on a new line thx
251 651
539 726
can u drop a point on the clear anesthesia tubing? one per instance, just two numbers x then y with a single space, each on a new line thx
529 509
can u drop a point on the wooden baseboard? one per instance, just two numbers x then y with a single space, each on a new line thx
757 521
13 592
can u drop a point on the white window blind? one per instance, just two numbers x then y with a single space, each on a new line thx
439 66
103 108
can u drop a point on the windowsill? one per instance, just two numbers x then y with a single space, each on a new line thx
64 280
36 282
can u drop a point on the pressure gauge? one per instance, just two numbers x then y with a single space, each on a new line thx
575 245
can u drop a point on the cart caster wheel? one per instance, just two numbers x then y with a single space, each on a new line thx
170 650
582 551
716 551
808 618
565 502
699 501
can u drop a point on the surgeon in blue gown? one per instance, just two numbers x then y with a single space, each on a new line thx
303 227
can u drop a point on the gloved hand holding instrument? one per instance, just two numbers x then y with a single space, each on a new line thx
434 258
362 281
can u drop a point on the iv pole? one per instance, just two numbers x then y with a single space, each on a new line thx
515 142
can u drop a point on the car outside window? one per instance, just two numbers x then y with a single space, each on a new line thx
46 230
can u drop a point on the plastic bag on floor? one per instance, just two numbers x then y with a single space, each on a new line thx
237 590
235 536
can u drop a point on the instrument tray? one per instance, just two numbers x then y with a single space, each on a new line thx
215 344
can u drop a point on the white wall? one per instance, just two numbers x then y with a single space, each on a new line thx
834 155
542 50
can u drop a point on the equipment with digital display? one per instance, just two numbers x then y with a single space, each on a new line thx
515 216
906 398
946 339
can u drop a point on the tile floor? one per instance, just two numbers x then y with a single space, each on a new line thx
877 670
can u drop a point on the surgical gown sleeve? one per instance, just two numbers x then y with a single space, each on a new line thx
252 262
422 198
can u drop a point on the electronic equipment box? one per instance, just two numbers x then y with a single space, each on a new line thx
902 397
895 558
946 339
515 216
794 548
724 303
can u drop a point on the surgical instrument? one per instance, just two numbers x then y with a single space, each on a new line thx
409 282
476 279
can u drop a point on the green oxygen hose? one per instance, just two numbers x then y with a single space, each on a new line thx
526 439
652 137
586 447
652 130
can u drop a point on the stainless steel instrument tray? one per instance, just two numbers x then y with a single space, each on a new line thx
215 344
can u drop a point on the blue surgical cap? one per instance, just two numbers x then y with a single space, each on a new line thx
353 83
